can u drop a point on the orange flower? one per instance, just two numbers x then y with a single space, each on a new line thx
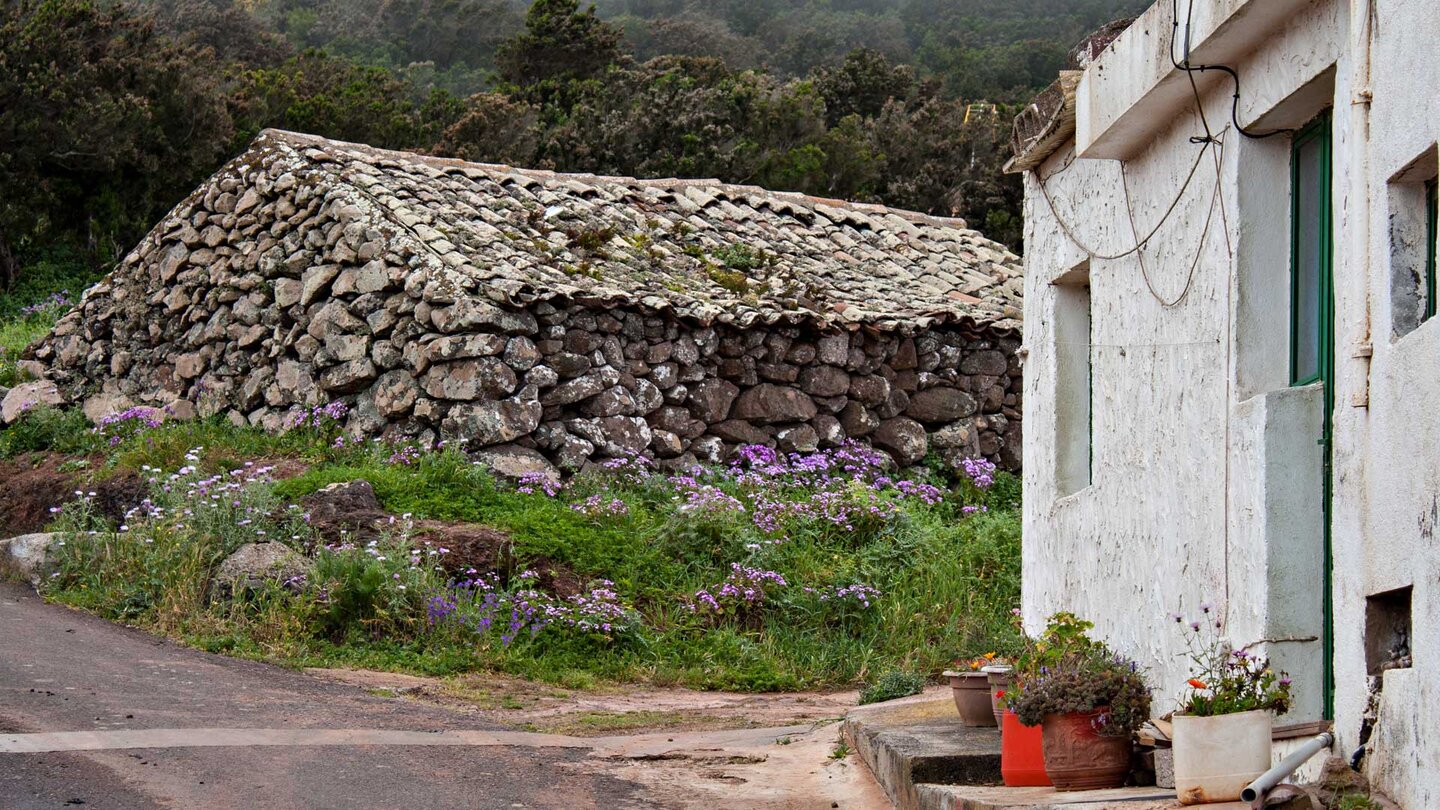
1198 684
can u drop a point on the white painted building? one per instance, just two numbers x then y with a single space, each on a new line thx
1178 399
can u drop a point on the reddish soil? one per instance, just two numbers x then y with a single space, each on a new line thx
33 483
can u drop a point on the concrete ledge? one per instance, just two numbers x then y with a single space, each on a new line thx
953 797
920 740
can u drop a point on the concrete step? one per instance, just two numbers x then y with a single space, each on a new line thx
972 797
925 759
920 740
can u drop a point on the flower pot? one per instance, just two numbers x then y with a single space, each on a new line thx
1001 679
1078 758
1216 757
971 691
1022 758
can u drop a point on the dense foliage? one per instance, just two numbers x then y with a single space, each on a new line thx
115 109
773 572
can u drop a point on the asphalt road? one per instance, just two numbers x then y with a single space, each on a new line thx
63 671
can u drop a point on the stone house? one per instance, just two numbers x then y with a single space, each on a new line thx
566 316
1244 411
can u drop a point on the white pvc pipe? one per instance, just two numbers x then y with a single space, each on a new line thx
1287 766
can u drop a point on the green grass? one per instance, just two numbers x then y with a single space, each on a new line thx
62 271
15 335
46 428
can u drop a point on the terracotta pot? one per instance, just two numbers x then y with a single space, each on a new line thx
1216 757
1077 758
1001 679
971 691
1022 756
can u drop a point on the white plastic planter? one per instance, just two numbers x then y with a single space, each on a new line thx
1216 757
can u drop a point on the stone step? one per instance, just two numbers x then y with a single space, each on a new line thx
973 797
920 740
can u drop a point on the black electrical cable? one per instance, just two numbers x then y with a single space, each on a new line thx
1191 70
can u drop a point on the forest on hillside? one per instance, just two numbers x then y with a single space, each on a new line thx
115 109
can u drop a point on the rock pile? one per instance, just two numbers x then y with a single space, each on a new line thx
562 316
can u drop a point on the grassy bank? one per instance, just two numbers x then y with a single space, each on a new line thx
771 573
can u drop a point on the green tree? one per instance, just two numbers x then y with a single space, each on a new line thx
106 123
862 84
336 98
560 44
494 129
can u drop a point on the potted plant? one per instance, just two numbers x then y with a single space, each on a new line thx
970 686
999 674
1087 700
1222 732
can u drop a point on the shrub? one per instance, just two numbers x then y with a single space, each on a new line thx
891 685
378 588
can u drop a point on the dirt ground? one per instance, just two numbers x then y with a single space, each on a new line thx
697 749
34 482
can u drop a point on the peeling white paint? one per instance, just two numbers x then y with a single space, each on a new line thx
1205 481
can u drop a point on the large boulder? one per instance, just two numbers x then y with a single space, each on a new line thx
711 399
30 557
349 509
824 381
106 403
940 405
257 566
494 421
28 395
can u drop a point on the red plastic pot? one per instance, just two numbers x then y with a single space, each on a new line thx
1022 753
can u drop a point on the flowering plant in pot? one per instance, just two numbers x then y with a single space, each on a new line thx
1222 730
970 686
1088 701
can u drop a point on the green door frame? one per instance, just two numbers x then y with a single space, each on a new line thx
1318 132
1432 211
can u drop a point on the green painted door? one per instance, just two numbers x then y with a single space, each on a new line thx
1312 326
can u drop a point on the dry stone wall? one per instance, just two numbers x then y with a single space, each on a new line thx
268 292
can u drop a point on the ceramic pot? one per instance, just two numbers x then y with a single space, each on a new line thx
1001 679
971 691
1077 758
1216 757
1022 756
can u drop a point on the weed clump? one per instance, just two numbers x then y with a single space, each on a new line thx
891 685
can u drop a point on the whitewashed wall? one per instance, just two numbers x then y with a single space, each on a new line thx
1205 484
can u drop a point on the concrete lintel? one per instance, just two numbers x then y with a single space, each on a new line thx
1133 84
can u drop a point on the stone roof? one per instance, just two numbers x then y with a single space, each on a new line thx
698 249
